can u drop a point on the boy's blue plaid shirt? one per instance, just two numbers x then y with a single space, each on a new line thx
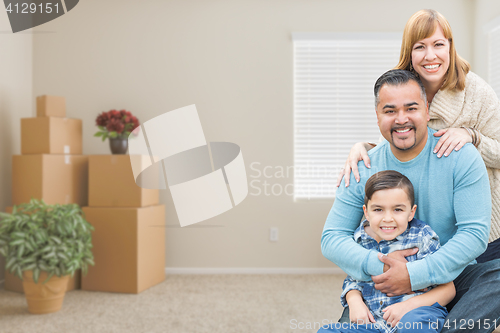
417 234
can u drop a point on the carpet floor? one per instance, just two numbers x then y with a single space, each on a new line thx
190 303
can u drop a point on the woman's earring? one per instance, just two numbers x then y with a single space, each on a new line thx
411 66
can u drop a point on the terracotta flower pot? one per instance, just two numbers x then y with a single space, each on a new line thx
44 298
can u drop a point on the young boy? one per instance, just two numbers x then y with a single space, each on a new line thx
389 226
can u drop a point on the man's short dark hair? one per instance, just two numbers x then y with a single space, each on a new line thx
396 77
387 180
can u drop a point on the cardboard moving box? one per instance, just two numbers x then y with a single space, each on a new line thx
51 135
50 106
128 248
59 179
112 183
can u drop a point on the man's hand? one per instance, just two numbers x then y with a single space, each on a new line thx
401 256
396 281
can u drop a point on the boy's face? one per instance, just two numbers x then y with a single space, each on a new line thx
389 212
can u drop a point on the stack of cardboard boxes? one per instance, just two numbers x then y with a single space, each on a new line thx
50 166
129 235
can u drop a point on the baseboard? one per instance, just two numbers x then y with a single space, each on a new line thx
247 271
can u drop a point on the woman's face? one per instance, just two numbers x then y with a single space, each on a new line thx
431 57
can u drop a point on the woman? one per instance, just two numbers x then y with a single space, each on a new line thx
462 106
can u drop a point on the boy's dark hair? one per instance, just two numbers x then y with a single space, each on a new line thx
386 180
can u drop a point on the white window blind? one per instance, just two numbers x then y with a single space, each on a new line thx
493 59
334 106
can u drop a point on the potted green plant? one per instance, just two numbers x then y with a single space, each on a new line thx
43 245
117 126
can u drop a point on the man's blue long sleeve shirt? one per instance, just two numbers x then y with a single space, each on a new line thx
452 195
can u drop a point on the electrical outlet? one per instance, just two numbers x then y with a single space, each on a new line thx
273 234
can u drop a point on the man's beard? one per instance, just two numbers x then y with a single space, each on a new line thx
414 137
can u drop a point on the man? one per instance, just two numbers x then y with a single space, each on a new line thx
453 197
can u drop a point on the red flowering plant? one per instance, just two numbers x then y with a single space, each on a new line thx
115 124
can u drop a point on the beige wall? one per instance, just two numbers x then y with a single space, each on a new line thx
16 93
486 11
233 59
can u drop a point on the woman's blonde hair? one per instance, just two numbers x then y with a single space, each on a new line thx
422 25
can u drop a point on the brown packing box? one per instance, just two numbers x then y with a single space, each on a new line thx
50 106
14 283
128 248
59 179
51 135
112 183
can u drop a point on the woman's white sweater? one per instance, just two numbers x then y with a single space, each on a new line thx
476 106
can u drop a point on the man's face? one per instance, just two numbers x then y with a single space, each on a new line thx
402 117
